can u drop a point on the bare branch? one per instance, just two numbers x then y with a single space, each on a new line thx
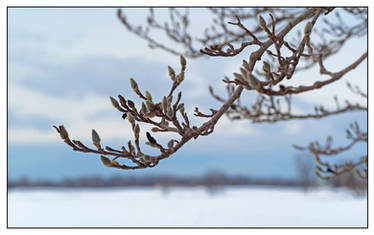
232 32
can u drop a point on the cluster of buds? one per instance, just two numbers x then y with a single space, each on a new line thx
165 110
246 78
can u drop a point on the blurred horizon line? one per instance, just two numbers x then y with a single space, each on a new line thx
211 179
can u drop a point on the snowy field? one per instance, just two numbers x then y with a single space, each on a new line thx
254 206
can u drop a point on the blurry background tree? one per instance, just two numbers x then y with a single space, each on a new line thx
304 166
351 181
279 42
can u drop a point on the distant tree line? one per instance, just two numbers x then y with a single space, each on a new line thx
211 180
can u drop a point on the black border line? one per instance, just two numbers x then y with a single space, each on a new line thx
190 227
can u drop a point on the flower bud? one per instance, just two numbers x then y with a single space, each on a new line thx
131 104
170 99
150 114
155 129
95 138
63 133
171 144
148 95
171 72
308 28
266 67
150 138
170 113
122 100
146 158
261 22
115 163
185 21
163 120
143 109
180 77
182 110
114 102
150 105
133 84
183 61
239 77
137 131
106 161
131 118
119 13
131 148
180 106
252 80
164 104
243 72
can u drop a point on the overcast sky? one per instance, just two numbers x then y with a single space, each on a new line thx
63 64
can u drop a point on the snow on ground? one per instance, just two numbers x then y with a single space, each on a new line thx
234 206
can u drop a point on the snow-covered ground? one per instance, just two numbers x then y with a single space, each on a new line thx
251 206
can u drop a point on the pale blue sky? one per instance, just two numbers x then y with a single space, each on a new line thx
63 64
